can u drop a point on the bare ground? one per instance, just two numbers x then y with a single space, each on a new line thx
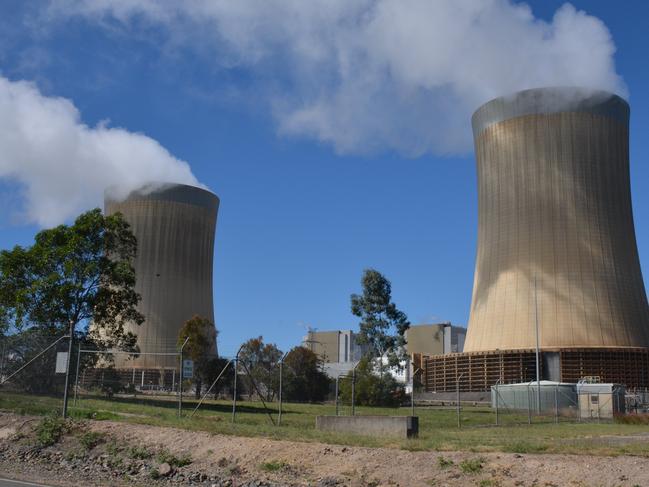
318 464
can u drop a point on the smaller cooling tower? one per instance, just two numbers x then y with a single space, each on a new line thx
174 225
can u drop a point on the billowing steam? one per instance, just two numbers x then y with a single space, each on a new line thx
361 75
62 165
368 75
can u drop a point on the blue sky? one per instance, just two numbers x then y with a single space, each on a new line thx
302 212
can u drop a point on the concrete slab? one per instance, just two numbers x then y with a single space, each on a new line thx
395 426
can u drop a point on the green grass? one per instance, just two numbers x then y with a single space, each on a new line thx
437 426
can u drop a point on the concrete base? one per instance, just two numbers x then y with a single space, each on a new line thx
395 426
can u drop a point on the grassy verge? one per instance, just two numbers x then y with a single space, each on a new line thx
438 427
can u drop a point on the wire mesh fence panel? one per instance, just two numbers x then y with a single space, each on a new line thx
165 381
32 370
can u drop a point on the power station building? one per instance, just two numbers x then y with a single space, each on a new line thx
175 227
557 263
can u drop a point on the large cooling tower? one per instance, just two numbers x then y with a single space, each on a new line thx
556 241
174 225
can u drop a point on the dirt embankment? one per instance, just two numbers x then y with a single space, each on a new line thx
125 454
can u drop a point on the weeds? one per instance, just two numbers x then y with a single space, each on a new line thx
165 456
524 447
230 466
112 448
444 462
488 483
273 466
472 465
91 439
139 452
632 418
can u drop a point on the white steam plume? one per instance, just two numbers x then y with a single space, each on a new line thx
368 75
62 165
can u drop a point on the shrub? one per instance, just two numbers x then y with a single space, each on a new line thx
50 430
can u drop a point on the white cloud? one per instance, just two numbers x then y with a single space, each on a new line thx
62 165
367 75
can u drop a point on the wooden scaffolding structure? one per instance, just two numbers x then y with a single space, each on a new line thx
478 371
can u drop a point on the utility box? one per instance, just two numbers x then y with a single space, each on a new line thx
600 401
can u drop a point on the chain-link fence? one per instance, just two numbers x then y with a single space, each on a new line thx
28 362
33 366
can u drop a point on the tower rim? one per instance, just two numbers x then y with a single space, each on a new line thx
550 100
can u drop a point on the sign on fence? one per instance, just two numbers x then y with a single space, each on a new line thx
61 362
188 369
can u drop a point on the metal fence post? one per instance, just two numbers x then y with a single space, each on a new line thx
556 404
337 379
234 390
67 372
457 390
529 406
578 404
412 393
353 390
235 361
279 415
76 380
598 404
495 389
180 382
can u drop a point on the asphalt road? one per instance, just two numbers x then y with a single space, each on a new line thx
18 483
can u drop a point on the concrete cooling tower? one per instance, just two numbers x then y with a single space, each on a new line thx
556 244
556 241
174 225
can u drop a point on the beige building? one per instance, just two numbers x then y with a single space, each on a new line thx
434 339
333 346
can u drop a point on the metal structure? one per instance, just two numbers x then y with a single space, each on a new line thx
174 225
555 203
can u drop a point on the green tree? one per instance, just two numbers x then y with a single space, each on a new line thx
262 359
371 389
382 326
74 274
303 379
213 369
201 336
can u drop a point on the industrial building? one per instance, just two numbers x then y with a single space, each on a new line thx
435 339
340 351
175 227
557 264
